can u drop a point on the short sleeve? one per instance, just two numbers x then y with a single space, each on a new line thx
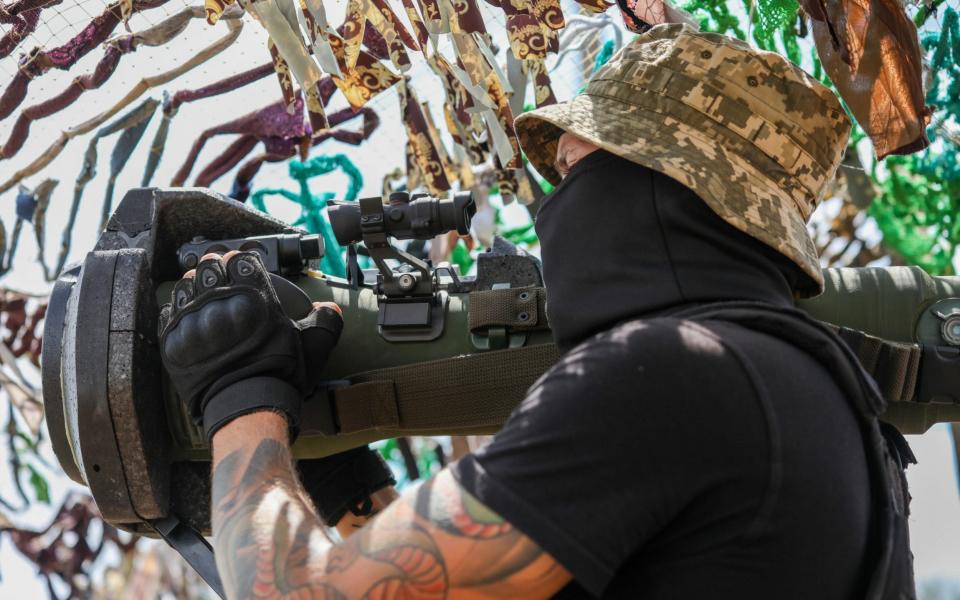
602 452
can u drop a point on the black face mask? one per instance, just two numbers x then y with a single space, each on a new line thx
620 241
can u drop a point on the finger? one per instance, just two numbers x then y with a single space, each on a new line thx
331 305
319 332
189 274
246 268
183 293
226 259
210 255
322 327
211 273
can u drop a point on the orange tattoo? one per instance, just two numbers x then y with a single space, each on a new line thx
270 543
424 576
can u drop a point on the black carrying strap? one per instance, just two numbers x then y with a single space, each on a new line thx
462 393
193 548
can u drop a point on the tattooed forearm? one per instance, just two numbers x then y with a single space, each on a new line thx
265 530
460 513
436 541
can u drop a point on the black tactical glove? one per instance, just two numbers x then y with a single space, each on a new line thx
230 350
344 482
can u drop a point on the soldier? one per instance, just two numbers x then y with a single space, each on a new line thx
698 438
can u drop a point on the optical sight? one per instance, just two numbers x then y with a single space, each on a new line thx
420 217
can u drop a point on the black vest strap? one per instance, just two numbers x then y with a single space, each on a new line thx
891 577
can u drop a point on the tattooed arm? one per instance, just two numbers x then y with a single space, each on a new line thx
435 541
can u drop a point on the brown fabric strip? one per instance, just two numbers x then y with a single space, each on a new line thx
543 92
870 50
459 394
416 21
893 365
39 61
370 405
424 150
520 309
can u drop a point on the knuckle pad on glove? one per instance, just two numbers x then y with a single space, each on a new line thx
217 328
247 269
210 274
183 293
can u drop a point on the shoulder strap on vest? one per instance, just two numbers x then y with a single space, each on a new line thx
887 450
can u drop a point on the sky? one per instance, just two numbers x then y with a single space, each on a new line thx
935 520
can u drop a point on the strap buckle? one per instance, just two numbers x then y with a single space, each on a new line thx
323 421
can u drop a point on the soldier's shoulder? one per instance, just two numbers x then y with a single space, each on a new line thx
654 341
661 356
661 334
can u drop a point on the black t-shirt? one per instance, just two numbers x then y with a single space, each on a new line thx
666 458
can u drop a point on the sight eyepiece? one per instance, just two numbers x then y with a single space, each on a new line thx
420 217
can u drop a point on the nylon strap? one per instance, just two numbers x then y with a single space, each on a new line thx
463 392
193 548
893 365
480 390
519 309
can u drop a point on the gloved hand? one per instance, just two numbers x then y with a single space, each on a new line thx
345 482
230 350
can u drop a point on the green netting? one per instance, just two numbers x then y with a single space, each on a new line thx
461 257
773 28
715 16
424 454
312 206
773 17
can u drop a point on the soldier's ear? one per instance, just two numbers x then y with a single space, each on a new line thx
571 150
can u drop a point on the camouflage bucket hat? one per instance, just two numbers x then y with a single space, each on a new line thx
748 131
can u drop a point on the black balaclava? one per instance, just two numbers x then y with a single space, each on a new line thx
619 241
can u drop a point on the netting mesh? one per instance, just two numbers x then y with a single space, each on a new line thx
59 23
773 15
380 154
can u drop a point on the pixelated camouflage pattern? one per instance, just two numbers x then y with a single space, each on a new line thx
753 135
